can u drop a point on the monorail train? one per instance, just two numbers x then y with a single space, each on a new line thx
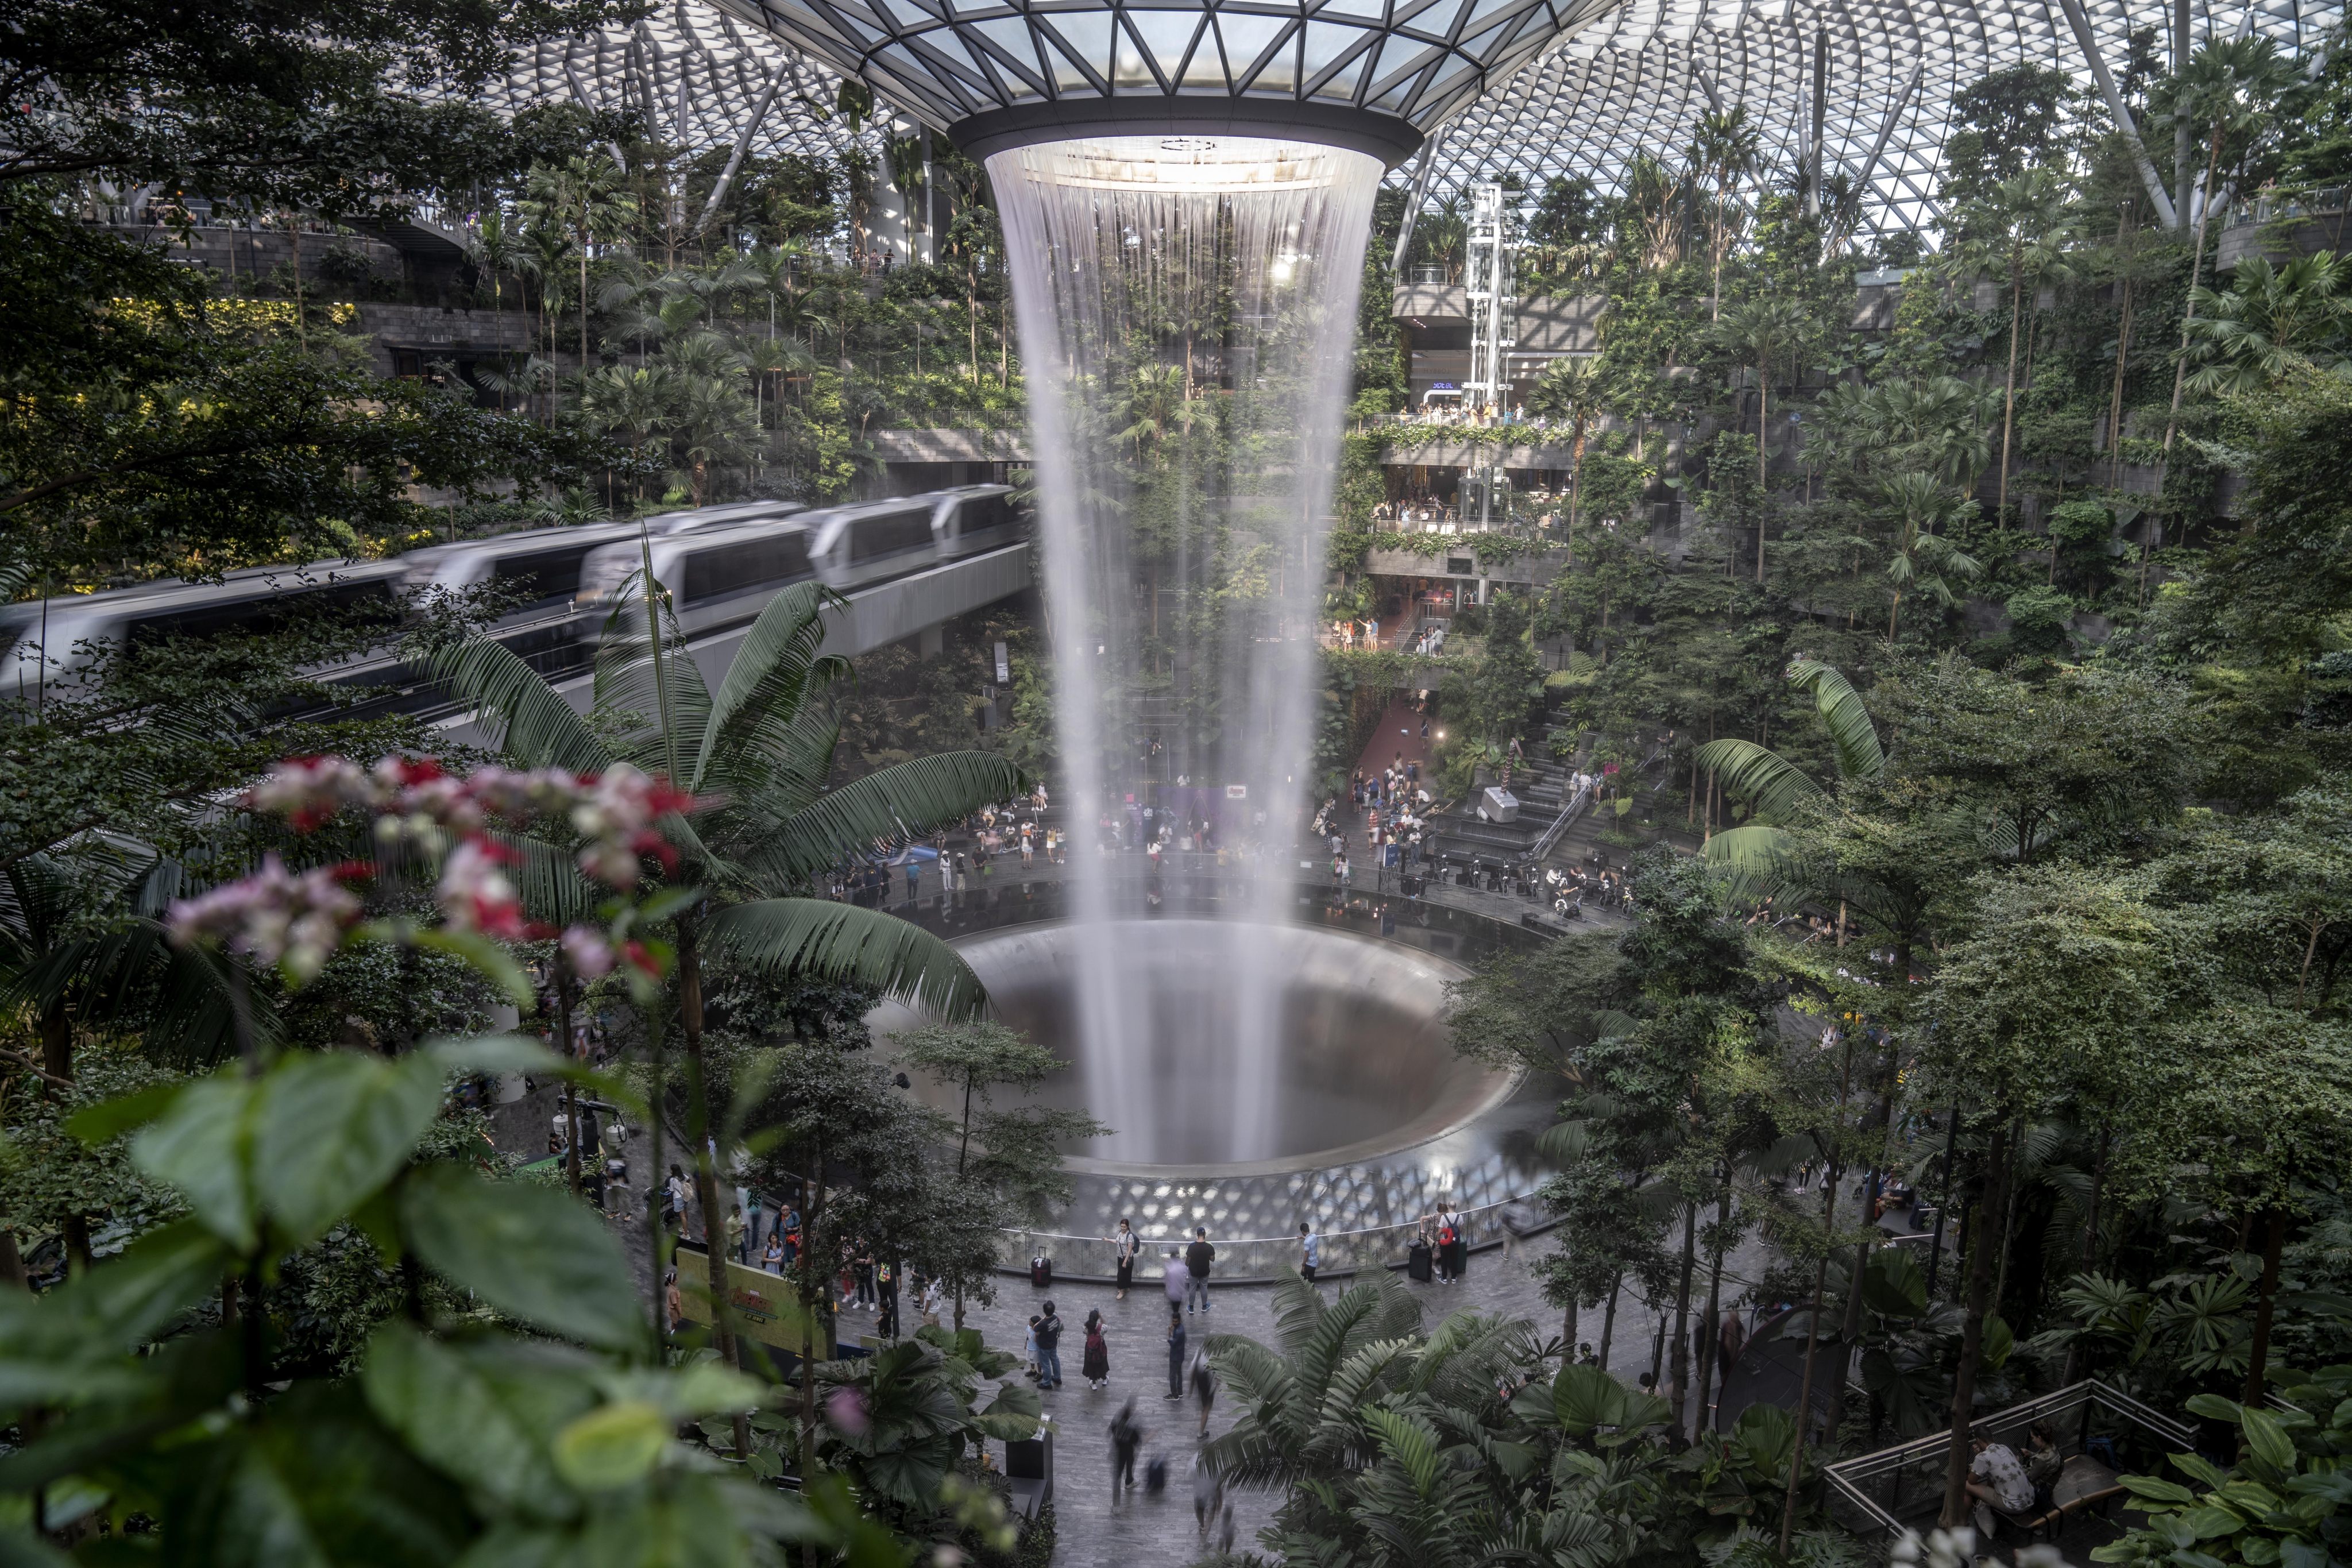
718 564
545 562
57 640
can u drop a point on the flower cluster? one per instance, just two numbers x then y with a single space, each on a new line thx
276 916
417 801
296 922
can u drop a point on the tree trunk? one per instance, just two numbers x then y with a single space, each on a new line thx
1763 457
2189 314
1814 1318
12 1262
2258 1352
2076 1354
2009 406
1609 1317
571 1086
1680 1373
658 1041
706 1172
1964 1380
1711 1321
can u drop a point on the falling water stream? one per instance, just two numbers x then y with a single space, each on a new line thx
1186 307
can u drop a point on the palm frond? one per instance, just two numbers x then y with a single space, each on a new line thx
538 727
1843 714
1752 861
1769 783
625 683
905 800
773 674
842 942
548 878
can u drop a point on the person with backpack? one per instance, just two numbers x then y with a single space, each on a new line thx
1450 1248
1311 1251
1097 1366
1197 1260
1049 1349
1124 1246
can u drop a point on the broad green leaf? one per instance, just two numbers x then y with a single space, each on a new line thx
2212 1523
1999 1340
200 1146
2267 1441
329 1128
2213 1407
2158 1490
535 1253
110 1120
483 1413
611 1446
23 1549
1893 1286
316 1483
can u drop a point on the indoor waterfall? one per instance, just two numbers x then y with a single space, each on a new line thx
1186 307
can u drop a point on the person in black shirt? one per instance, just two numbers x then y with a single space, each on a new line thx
1049 1349
1197 1259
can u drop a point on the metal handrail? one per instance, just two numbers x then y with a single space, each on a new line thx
1846 1477
1576 803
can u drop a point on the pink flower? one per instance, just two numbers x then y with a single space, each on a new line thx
475 896
275 916
587 951
846 1409
311 790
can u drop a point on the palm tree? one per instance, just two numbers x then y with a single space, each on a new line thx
2272 318
497 249
760 747
1774 786
2234 81
2023 227
1725 149
1574 390
1923 558
587 199
1763 330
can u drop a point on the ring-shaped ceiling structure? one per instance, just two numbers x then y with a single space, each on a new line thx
1535 87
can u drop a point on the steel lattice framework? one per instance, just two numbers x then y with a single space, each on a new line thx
1637 83
1536 88
696 74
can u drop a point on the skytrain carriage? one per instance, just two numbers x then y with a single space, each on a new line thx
973 519
57 640
714 577
545 562
874 542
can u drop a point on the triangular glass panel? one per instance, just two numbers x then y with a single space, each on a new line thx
1011 36
1131 71
1246 38
1340 85
1165 36
1326 42
1370 10
1087 34
1280 72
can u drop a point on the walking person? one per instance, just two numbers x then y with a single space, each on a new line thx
1096 1366
1450 1247
1175 1277
1311 1252
1126 1439
1049 1349
1175 1351
1197 1260
1208 1495
1204 1388
1124 1246
886 1286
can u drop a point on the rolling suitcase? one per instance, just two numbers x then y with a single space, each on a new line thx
1041 1272
1416 1262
